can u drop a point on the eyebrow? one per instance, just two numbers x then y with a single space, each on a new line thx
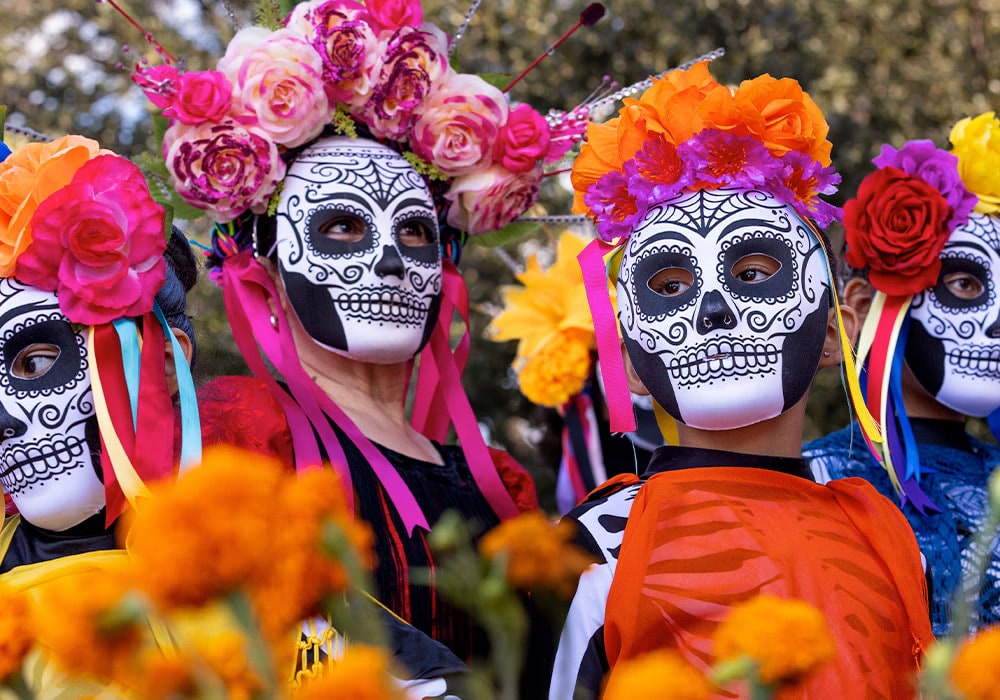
413 202
970 244
26 308
739 226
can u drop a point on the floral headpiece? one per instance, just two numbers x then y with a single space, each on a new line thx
895 229
688 132
79 221
339 64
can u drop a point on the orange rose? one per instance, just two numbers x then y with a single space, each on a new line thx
27 177
790 120
598 155
674 101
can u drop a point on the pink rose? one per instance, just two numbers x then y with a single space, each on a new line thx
413 63
279 81
459 125
491 199
393 14
311 18
349 50
201 96
225 168
158 82
98 244
523 141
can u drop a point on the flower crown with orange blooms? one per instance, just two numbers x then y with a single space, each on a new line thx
340 64
687 132
79 221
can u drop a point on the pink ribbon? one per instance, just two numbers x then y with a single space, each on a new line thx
595 281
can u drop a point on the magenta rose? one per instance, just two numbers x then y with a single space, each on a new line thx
393 14
460 124
524 140
308 17
158 82
414 62
349 50
225 168
938 168
201 96
491 199
98 244
897 227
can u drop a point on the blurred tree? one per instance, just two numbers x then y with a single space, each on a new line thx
882 70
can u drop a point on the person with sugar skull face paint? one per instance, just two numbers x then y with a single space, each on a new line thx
86 271
927 284
727 308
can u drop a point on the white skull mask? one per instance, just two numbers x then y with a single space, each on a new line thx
953 345
49 445
358 249
723 298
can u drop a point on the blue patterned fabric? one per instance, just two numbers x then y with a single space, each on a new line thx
956 468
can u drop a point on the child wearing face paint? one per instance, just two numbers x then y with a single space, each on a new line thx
928 293
73 307
727 308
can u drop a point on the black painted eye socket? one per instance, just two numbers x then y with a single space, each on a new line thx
415 232
755 268
671 281
962 284
35 361
342 227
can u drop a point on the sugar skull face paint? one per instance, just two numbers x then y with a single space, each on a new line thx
953 346
49 445
723 303
358 249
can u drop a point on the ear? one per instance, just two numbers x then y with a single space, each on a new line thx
171 372
635 384
858 294
832 354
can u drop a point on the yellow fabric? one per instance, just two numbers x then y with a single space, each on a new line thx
667 425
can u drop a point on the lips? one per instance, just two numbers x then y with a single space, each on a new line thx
41 459
975 360
380 304
718 359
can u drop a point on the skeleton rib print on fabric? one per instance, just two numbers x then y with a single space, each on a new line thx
375 297
715 350
954 342
48 428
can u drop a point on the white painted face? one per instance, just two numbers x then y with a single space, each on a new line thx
49 445
953 346
358 249
723 298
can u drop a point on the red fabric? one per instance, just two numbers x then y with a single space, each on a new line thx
700 540
516 479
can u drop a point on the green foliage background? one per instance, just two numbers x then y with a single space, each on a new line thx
882 70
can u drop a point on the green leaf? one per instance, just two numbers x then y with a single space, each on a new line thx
511 233
3 119
497 80
168 221
160 126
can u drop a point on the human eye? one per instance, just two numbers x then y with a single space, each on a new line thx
343 227
414 232
754 269
35 361
671 281
963 285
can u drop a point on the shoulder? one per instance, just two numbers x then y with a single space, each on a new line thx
518 482
841 454
600 520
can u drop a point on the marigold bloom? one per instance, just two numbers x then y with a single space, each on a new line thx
361 674
559 368
976 142
16 631
70 621
658 675
539 553
976 671
787 638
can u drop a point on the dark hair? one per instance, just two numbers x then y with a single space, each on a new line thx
182 273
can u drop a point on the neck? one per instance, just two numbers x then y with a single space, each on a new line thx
920 403
780 436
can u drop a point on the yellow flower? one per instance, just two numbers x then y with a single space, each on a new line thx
786 638
539 554
548 312
361 674
70 617
976 671
658 675
976 142
16 631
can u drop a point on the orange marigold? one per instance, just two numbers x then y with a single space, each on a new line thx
361 674
539 553
786 638
558 369
976 671
70 618
657 675
16 630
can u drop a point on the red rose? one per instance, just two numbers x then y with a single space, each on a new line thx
897 227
